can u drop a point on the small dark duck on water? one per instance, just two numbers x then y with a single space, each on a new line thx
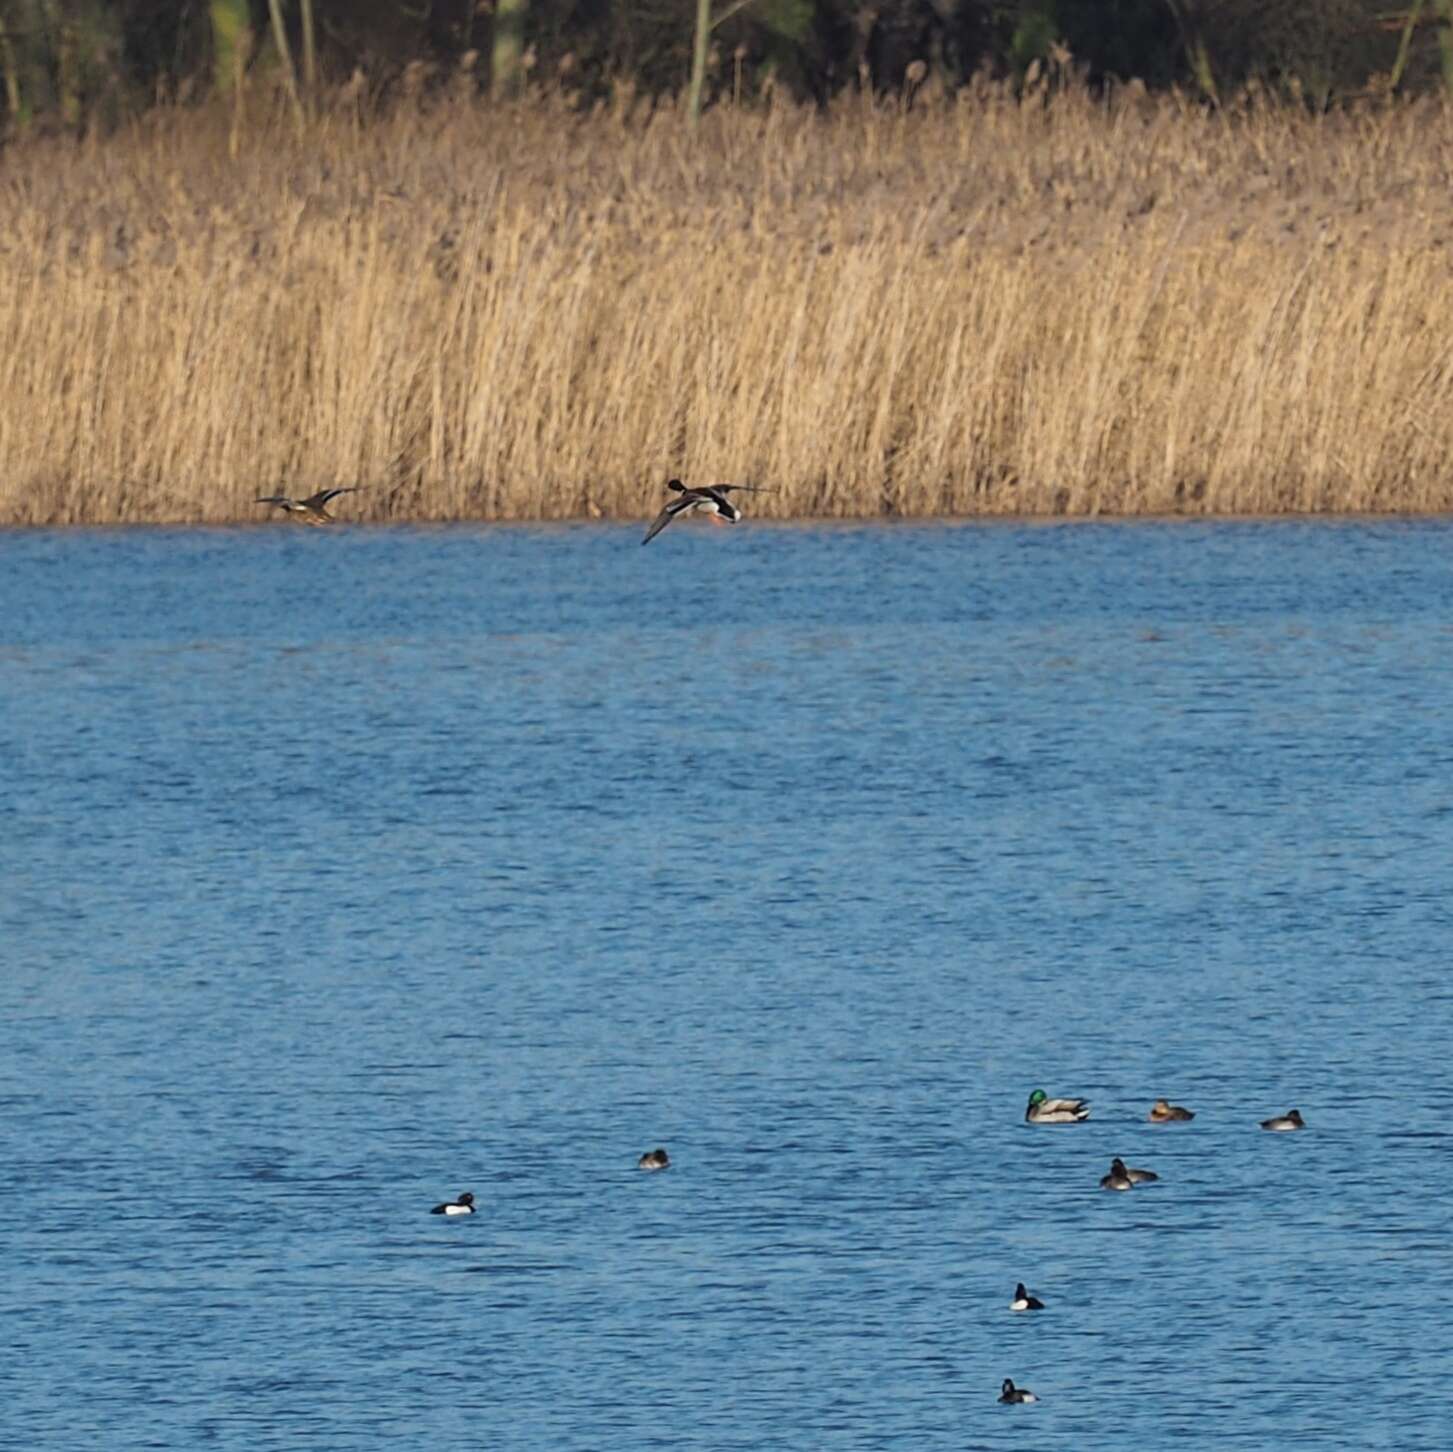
1136 1177
1117 1179
1164 1112
1292 1119
710 498
464 1205
1023 1301
1011 1393
656 1159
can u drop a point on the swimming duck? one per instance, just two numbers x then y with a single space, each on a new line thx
710 497
1044 1110
1136 1177
464 1205
1163 1112
1023 1301
310 510
1011 1393
1292 1119
1117 1179
656 1159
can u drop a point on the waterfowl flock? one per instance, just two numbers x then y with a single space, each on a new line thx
710 499
1042 1109
656 1159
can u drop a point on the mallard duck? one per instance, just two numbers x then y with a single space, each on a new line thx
310 510
709 497
1163 1112
464 1205
656 1159
1292 1119
1011 1393
1044 1110
1023 1301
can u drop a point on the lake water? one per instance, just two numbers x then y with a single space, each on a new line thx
345 870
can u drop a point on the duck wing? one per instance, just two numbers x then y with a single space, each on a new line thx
318 500
275 499
689 499
1067 1106
727 488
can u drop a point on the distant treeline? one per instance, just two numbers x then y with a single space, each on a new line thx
87 64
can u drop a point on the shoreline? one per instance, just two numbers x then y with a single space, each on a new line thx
499 312
837 523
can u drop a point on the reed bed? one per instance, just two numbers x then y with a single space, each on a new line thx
971 306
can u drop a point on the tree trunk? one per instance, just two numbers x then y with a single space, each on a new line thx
61 37
310 52
10 65
508 49
1445 42
700 46
285 59
1405 41
231 43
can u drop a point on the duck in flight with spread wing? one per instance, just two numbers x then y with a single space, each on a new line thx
711 497
311 510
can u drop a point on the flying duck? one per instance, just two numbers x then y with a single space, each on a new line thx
1163 1112
464 1205
1044 1110
710 497
312 509
1292 1119
1023 1301
656 1159
1011 1393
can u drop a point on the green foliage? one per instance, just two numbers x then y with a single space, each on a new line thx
1315 51
1123 38
61 60
777 35
1036 31
788 20
1109 38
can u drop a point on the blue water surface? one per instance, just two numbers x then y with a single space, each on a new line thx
345 870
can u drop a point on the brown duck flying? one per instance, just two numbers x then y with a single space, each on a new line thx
311 510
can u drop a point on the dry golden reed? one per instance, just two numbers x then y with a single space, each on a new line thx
976 306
